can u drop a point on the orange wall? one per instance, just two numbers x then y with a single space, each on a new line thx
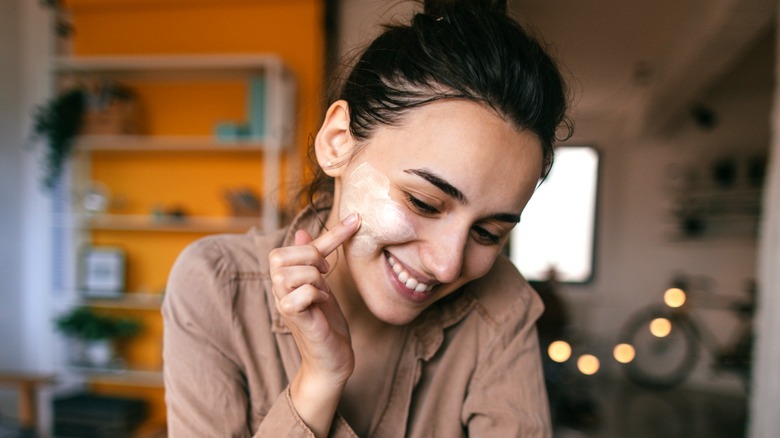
291 29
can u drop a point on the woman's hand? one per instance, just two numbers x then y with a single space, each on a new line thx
320 330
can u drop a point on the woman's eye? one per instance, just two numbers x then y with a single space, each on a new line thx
485 237
420 206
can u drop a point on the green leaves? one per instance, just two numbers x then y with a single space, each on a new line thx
59 121
83 323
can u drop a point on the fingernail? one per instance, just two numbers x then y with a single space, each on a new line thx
351 219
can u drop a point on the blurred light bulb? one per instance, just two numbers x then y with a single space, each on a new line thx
674 297
588 364
559 351
624 353
660 327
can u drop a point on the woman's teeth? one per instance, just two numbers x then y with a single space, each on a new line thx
405 278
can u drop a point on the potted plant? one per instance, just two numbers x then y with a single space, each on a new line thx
58 121
93 335
98 107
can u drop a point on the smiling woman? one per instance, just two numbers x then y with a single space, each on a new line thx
386 307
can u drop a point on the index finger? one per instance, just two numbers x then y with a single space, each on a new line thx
328 241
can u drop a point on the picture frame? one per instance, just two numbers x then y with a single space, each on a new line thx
103 272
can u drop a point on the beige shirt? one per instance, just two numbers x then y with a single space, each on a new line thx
469 366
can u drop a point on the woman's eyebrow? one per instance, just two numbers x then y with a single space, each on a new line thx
439 182
456 194
506 217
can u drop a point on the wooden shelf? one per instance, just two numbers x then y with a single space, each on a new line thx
151 379
168 64
146 143
130 300
151 430
191 224
708 212
127 377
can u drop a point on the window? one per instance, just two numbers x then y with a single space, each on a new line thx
558 224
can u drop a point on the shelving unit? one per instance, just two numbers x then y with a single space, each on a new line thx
188 63
141 143
706 212
209 225
178 168
150 379
135 300
278 132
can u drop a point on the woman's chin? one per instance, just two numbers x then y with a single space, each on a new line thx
394 316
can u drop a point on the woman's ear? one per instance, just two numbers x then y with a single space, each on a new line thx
334 142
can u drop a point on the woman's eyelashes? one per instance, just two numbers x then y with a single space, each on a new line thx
480 234
485 237
421 207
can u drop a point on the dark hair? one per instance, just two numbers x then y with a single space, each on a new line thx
455 49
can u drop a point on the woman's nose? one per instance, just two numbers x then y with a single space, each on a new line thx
443 254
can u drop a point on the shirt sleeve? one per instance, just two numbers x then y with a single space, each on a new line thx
507 396
206 391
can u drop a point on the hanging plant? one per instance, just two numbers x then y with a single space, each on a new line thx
58 122
62 26
98 107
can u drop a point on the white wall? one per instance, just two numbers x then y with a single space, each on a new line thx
360 20
36 232
11 155
765 403
26 296
25 222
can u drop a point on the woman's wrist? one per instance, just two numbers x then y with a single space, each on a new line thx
315 400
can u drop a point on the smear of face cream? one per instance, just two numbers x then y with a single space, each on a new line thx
383 220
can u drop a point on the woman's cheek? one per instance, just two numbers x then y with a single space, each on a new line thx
383 220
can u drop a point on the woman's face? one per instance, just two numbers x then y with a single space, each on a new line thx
438 197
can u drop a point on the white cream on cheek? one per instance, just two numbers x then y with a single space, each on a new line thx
383 220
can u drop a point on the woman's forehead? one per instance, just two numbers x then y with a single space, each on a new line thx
466 146
455 130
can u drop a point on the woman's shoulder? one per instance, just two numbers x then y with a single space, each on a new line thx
221 253
212 269
215 272
217 283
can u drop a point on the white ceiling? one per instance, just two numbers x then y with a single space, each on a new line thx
645 62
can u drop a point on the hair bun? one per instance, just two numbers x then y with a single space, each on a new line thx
437 8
